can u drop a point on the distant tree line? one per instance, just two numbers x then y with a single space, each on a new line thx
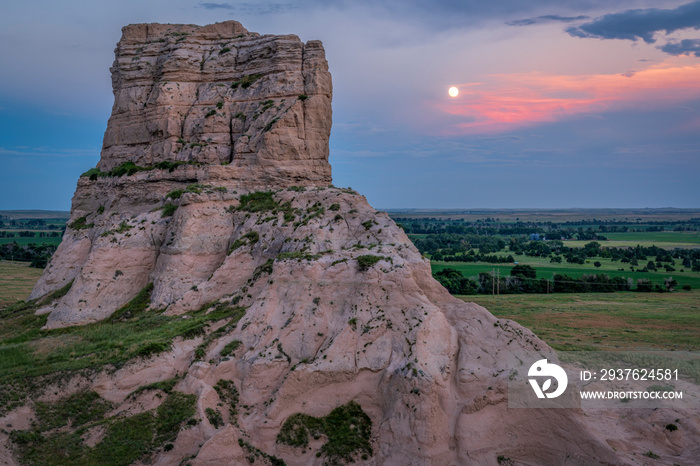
30 234
523 279
37 254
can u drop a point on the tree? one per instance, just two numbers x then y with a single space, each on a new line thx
524 270
670 283
597 263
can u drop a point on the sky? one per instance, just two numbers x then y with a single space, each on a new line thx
562 103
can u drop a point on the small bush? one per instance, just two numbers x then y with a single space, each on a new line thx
671 427
175 194
260 201
334 207
168 210
228 394
126 168
366 261
80 224
214 418
152 348
347 427
303 97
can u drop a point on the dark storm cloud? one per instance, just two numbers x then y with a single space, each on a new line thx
640 23
686 46
545 18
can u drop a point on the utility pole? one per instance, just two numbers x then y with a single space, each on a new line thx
493 285
498 283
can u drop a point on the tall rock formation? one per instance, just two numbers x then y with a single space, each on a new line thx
213 192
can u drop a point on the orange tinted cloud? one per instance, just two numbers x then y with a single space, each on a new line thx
507 101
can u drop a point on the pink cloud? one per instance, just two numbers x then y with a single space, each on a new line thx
507 101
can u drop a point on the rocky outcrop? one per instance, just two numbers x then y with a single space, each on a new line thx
213 192
219 95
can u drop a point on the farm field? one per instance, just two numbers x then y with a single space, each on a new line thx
546 270
56 240
16 281
604 321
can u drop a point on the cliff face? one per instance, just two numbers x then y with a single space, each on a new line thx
219 95
213 193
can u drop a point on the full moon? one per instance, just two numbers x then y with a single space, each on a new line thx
453 91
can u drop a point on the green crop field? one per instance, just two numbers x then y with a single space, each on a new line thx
16 281
546 270
604 321
56 240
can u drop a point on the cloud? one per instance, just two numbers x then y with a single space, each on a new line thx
640 23
22 151
546 18
514 100
217 6
261 8
684 47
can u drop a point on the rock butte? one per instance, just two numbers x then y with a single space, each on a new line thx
204 116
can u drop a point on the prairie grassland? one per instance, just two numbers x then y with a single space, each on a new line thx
604 321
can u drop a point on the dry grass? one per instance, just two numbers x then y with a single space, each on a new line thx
16 281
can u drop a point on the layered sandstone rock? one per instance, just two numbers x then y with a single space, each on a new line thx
219 95
339 304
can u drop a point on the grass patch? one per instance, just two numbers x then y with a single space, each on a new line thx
76 410
263 201
164 385
168 210
230 348
228 394
250 238
298 255
604 321
129 168
246 81
127 439
224 310
347 428
259 201
137 305
58 294
30 358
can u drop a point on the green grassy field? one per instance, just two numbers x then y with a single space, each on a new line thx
662 239
36 240
605 321
545 269
16 281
